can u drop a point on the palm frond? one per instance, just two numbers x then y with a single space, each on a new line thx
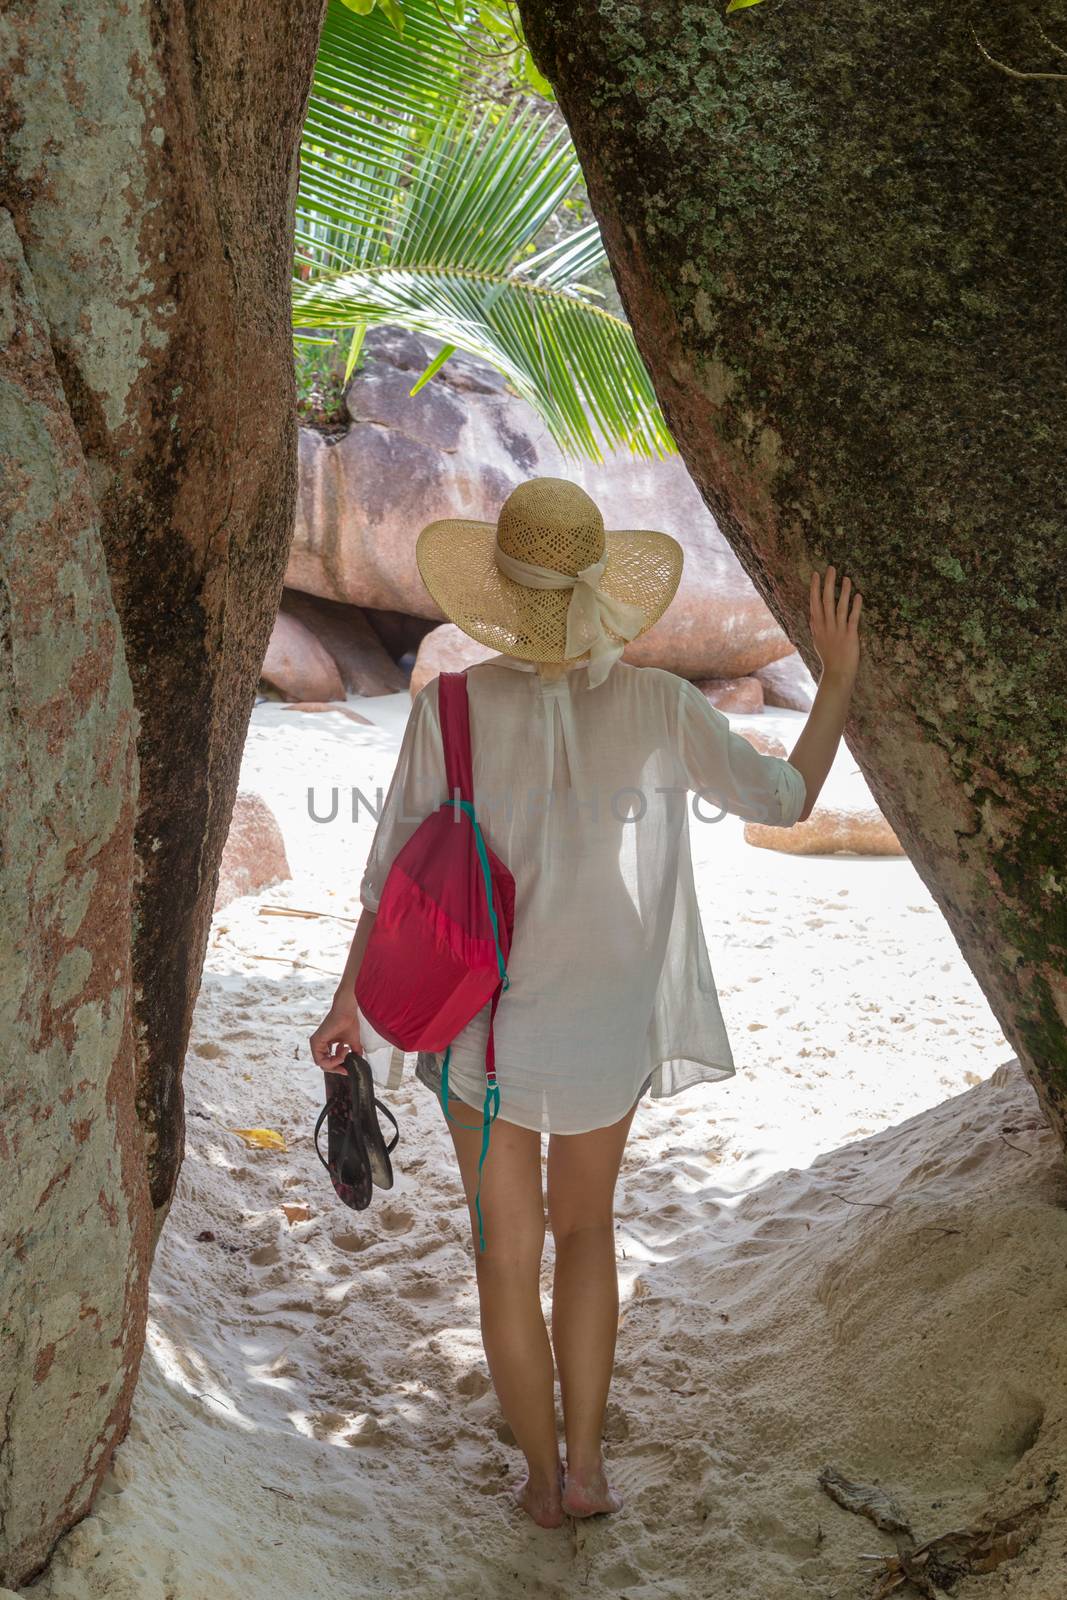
575 364
415 208
568 259
371 89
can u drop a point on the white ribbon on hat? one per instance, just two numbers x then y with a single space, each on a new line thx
589 610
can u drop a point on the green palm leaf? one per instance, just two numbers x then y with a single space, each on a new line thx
371 90
416 208
572 362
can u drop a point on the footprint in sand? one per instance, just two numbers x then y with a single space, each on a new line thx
282 1366
782 1230
619 1576
474 1383
422 1286
367 1430
396 1219
352 1242
327 1424
389 1219
616 1425
766 1531
688 1169
349 1368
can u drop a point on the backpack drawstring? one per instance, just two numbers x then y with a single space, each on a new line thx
492 1098
492 1091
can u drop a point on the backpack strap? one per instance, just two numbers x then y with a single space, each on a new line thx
454 714
489 1109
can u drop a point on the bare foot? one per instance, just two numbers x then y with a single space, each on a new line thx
543 1504
589 1499
586 1495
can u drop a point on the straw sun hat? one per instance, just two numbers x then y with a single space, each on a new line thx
545 582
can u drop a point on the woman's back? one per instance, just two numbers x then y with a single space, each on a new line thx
583 792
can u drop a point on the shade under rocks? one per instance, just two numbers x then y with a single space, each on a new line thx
299 665
329 705
852 1254
398 631
365 665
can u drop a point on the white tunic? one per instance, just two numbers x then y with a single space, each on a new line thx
585 794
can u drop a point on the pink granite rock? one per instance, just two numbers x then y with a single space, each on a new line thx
254 854
764 741
298 665
732 694
787 682
458 448
446 649
363 662
861 831
323 705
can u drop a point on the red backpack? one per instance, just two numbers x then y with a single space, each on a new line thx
441 939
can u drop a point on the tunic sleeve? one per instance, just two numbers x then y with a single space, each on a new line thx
728 772
416 789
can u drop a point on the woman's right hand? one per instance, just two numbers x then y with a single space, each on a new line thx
336 1035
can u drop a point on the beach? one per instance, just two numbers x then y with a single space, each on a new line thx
850 1254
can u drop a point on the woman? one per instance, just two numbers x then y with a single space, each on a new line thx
583 767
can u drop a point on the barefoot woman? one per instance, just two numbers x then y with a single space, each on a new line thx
583 771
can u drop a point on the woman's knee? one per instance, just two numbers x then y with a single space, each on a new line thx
510 1253
566 1224
512 1201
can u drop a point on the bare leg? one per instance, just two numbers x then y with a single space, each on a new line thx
514 1335
582 1172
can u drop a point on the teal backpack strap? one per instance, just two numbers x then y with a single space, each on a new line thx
489 1111
487 879
492 1091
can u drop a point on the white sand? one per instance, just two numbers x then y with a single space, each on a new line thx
823 1260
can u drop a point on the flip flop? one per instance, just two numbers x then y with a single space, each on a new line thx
357 1156
381 1167
346 1159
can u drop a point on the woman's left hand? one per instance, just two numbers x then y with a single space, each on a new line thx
835 625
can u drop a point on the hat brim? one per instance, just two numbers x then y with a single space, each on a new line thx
456 561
